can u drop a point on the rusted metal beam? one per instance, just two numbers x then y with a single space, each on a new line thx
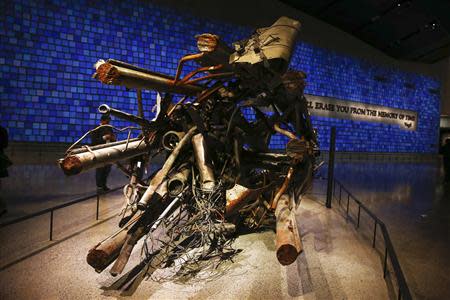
288 242
105 252
238 196
207 180
178 182
162 173
109 73
125 252
80 162
105 109
282 188
102 255
285 132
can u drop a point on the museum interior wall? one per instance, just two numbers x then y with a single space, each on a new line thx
49 49
445 86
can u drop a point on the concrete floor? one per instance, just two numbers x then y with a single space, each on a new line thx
409 197
336 263
30 188
415 205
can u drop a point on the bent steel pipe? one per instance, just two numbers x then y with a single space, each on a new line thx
177 183
171 138
105 109
162 173
83 161
207 180
288 240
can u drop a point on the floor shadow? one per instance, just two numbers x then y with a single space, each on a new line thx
53 243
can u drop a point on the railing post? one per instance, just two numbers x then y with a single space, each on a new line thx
374 234
385 262
403 290
51 225
359 214
98 206
139 102
331 166
348 203
334 188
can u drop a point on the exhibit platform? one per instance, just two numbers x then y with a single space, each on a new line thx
336 262
409 197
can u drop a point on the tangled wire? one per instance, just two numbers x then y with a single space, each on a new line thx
194 241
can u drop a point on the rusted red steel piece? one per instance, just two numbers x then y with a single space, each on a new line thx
162 173
109 73
199 70
282 188
288 242
181 63
284 132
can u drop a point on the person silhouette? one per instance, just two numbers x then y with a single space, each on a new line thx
100 136
446 159
5 162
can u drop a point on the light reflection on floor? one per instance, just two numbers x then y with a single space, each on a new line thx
409 197
30 188
415 205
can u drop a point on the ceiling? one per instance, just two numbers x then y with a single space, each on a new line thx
416 30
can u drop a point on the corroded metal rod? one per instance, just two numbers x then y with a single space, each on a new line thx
238 196
288 242
177 182
139 78
182 61
105 252
162 173
283 188
77 163
207 180
285 132
105 109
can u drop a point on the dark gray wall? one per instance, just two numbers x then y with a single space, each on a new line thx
445 85
255 14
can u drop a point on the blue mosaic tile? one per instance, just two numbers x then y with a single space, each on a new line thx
48 48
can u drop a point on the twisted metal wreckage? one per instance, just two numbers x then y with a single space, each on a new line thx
219 176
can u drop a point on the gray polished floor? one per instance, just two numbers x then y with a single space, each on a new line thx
332 250
414 203
30 188
409 197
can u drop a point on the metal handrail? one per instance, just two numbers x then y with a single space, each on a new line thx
403 290
52 209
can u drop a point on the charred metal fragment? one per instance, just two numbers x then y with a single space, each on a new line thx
138 78
179 181
105 109
82 161
207 180
218 174
162 173
288 242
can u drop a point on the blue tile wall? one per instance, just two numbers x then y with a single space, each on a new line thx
48 48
